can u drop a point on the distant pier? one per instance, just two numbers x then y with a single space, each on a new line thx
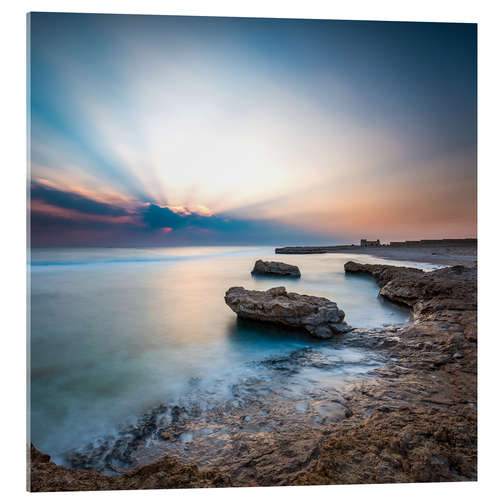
326 249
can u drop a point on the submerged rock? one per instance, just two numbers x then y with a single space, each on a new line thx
319 316
278 268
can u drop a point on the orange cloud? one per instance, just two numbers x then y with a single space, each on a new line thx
41 207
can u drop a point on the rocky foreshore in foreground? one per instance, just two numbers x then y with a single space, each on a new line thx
416 421
413 420
166 473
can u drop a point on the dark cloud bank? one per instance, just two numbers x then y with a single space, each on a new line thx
96 223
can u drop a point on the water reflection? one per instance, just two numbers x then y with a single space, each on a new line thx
243 332
283 280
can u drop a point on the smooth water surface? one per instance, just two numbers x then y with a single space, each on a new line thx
115 331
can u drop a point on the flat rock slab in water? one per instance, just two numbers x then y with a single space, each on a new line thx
277 268
317 315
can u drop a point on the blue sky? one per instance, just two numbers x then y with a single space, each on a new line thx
189 130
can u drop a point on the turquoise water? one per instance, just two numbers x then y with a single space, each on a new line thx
116 331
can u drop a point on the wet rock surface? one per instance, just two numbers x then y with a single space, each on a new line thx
381 273
319 316
166 473
275 268
448 289
416 421
282 397
411 417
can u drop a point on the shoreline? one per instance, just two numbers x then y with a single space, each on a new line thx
414 420
451 255
446 256
417 420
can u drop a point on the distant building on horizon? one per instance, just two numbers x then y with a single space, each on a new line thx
370 243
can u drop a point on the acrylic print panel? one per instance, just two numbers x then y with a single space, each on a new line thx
252 252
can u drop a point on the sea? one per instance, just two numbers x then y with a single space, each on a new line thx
114 332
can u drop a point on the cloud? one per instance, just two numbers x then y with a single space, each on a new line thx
330 131
157 217
63 217
53 204
73 201
160 217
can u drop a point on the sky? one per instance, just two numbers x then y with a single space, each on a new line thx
166 130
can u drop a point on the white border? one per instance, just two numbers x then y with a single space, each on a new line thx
13 161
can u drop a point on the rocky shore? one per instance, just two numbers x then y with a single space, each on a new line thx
166 473
417 420
413 420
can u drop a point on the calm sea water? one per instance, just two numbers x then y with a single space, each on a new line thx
115 331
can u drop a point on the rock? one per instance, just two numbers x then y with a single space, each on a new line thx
427 293
167 472
317 315
382 273
417 419
277 268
